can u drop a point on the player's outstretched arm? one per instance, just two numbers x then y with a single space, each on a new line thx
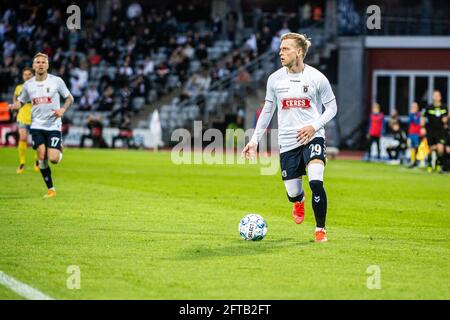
16 105
249 151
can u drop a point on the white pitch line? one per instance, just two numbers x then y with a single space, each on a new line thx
22 289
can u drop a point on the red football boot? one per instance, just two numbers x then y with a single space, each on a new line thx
298 211
321 235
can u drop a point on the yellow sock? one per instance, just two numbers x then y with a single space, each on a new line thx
413 155
22 151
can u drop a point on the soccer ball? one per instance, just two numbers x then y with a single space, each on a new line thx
253 227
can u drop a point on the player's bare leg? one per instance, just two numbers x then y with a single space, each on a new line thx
54 155
319 197
23 137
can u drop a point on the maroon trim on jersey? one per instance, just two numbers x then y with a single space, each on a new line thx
289 103
41 100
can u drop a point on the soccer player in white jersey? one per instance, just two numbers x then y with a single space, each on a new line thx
44 91
299 91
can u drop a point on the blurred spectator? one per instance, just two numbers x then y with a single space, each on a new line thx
95 127
397 149
251 43
9 48
197 84
393 120
275 43
139 87
47 50
376 129
134 10
414 132
94 57
317 14
149 66
14 133
162 73
125 133
232 24
306 14
201 53
188 50
216 25
242 81
90 11
266 40
179 62
125 72
90 98
284 29
107 100
79 80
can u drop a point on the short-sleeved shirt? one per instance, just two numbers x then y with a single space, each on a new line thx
434 115
24 114
45 99
299 98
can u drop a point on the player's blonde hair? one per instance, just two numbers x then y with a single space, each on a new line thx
301 40
40 54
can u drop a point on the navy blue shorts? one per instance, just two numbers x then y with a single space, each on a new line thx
295 161
51 139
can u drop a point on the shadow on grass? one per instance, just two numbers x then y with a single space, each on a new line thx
215 244
239 248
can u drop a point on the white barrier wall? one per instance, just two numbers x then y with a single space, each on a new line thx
142 137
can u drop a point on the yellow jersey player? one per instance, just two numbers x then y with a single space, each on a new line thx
24 122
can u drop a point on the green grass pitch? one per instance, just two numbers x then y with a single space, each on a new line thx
140 227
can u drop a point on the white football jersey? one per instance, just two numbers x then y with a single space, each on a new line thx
45 99
299 98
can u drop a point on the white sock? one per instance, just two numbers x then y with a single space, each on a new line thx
321 229
43 164
294 187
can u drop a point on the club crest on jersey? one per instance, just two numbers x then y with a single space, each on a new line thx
289 103
305 88
48 90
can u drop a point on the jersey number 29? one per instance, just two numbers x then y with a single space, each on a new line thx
316 150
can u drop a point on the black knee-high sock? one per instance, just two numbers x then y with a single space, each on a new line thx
319 202
440 160
47 175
